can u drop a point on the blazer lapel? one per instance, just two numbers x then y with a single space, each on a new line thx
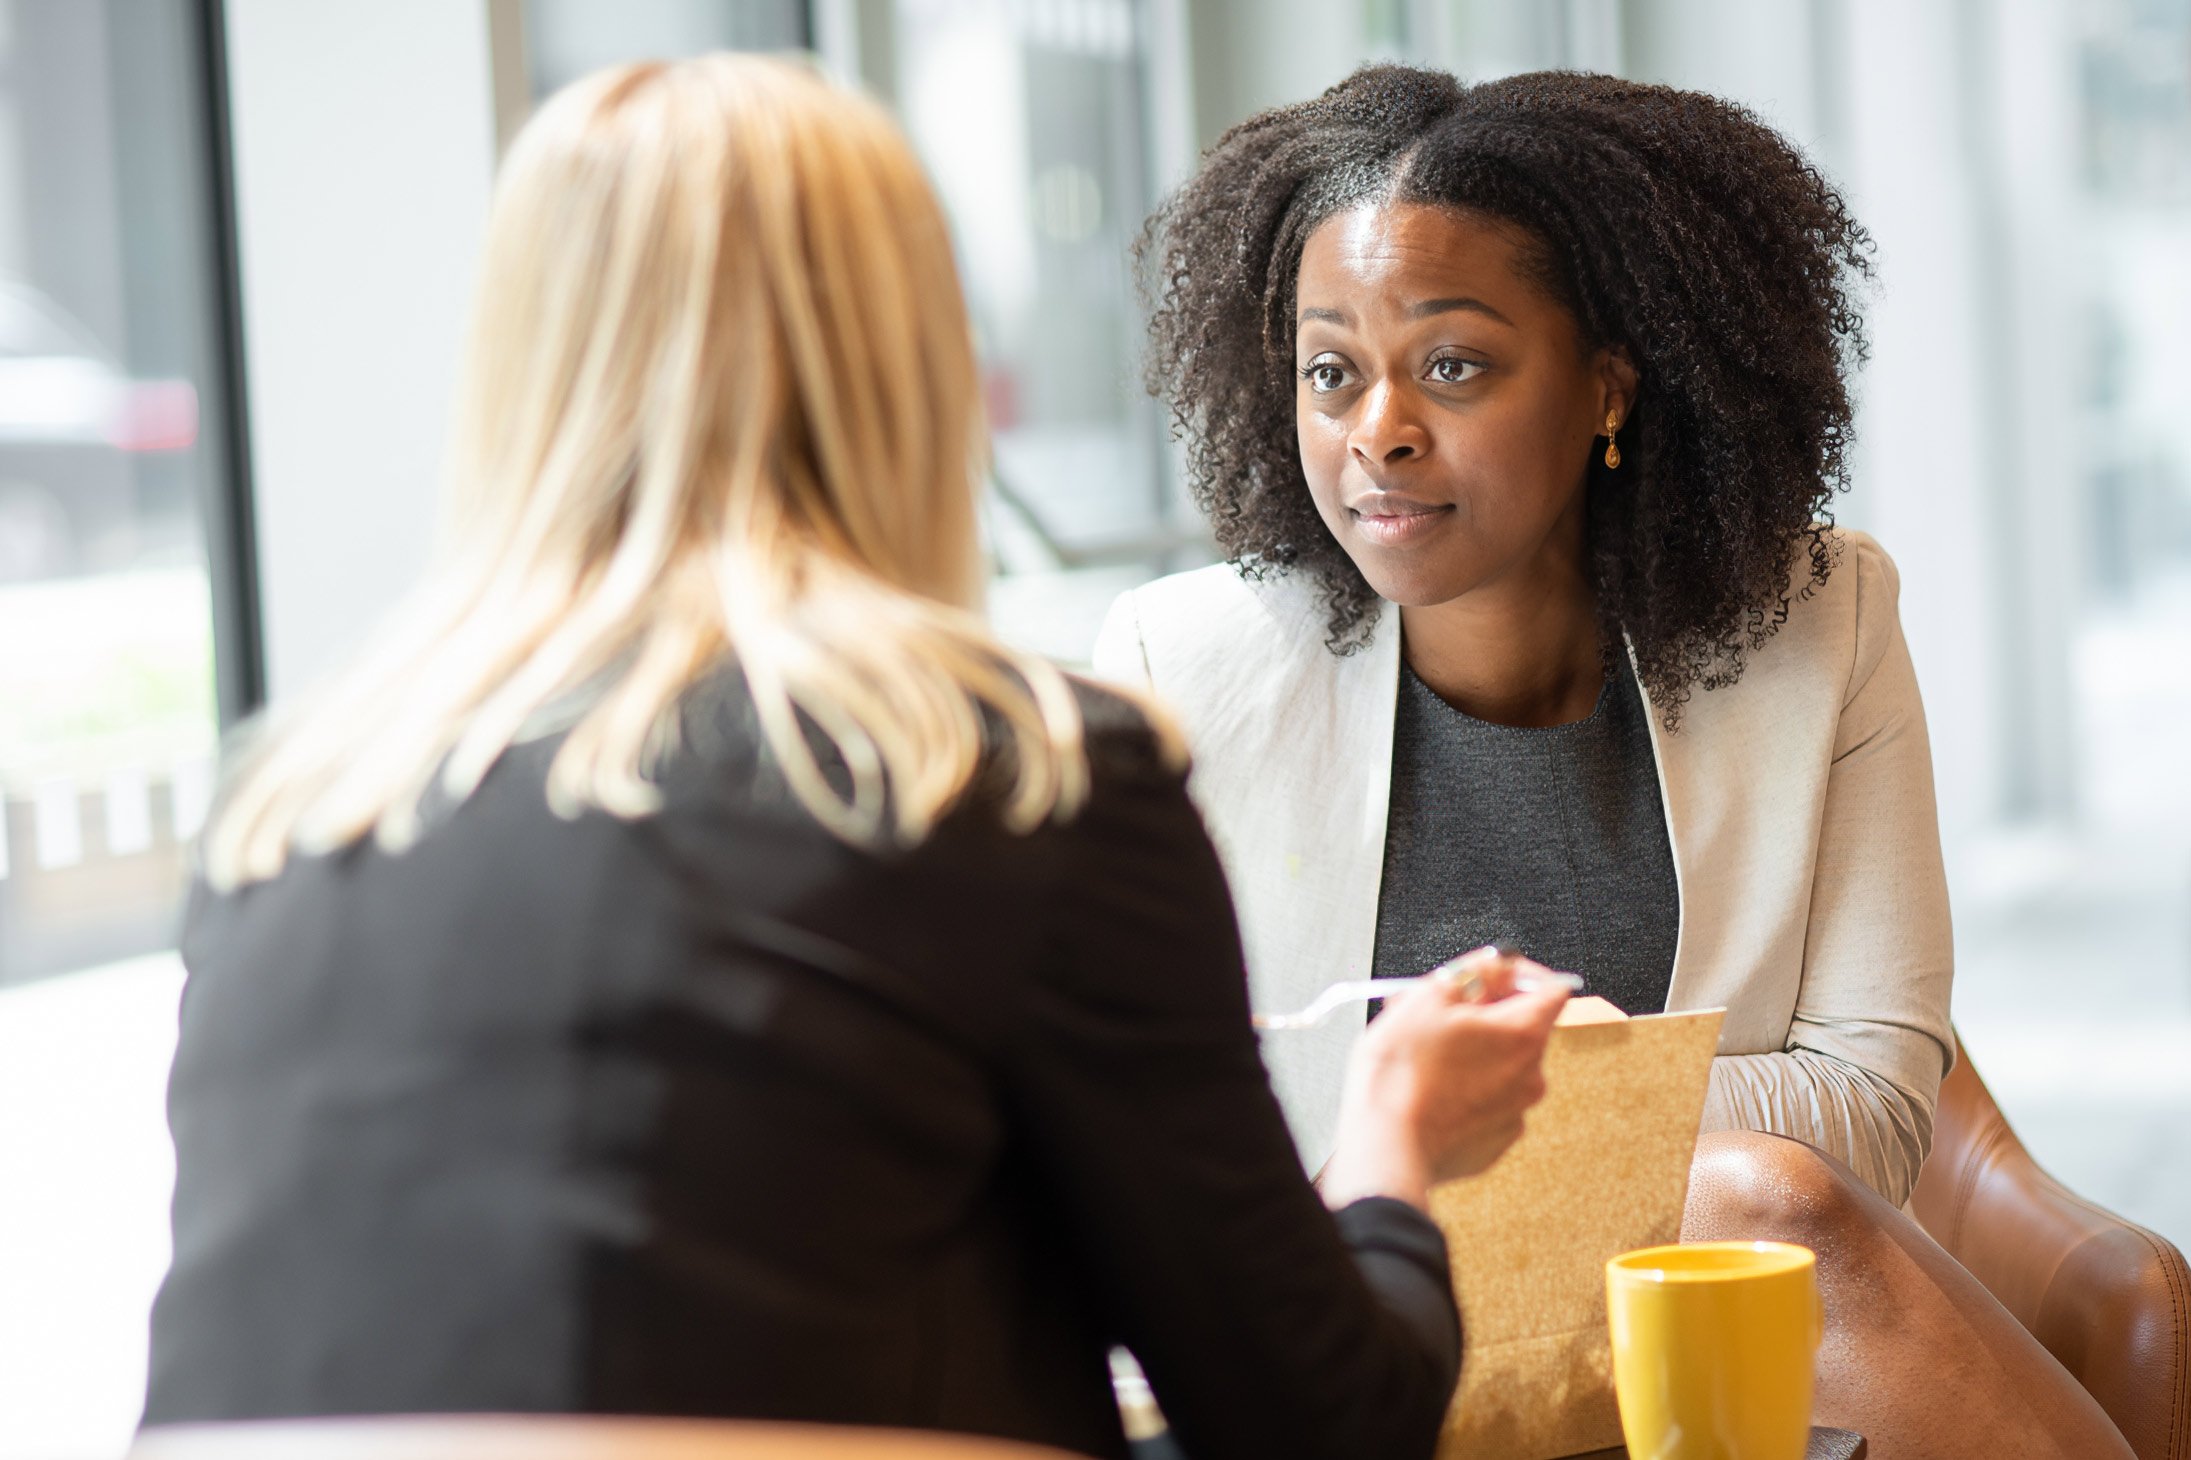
1670 753
1298 807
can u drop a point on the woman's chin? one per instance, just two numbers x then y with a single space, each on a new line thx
1421 584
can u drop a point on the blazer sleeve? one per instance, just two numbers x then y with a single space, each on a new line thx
1870 1039
1266 1325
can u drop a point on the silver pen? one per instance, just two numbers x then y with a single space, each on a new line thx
1468 970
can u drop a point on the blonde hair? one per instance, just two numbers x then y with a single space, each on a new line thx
719 402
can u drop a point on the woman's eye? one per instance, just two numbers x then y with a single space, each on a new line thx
1452 370
1324 377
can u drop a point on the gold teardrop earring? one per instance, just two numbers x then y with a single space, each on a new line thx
1612 447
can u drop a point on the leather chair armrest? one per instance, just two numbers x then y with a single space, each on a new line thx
2108 1298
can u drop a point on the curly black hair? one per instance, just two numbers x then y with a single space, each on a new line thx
1674 225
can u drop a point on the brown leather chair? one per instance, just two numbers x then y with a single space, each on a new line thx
558 1437
2109 1299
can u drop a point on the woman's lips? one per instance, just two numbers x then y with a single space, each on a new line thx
1391 524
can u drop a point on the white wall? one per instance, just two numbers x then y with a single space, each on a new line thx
364 151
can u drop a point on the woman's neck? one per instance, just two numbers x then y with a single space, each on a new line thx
1521 650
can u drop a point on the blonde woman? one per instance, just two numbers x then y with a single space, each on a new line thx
691 968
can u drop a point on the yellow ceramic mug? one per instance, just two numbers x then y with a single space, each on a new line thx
1714 1347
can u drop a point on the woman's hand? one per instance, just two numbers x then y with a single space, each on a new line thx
1437 1087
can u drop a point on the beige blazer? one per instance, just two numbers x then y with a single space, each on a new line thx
1798 802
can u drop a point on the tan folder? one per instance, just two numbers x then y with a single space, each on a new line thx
1602 1167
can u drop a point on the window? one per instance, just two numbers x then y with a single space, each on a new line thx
124 641
112 407
565 39
1033 120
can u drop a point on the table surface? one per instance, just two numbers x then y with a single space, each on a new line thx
1825 1445
561 1437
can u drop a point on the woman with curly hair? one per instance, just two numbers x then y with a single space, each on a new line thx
1518 410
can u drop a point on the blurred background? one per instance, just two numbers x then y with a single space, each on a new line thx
235 243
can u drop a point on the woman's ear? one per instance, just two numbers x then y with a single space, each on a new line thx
1617 382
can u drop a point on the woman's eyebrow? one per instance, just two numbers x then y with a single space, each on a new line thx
1423 310
1446 306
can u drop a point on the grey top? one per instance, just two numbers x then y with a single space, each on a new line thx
1552 839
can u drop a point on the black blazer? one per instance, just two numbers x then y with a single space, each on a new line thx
711 1114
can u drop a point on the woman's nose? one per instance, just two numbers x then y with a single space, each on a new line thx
1387 429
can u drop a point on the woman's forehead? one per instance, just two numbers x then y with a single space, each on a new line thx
1406 252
